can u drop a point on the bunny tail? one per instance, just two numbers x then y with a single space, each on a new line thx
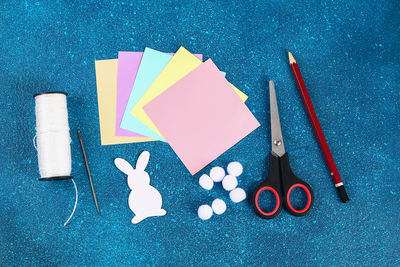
162 212
138 218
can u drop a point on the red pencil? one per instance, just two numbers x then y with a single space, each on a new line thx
317 129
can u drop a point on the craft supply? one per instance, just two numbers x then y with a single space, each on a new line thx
52 139
217 174
318 130
237 195
235 168
206 182
106 79
128 65
144 200
201 117
151 64
280 180
178 67
88 172
205 212
229 182
218 206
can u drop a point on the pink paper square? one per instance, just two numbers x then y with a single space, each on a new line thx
201 116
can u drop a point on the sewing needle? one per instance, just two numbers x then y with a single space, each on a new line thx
88 172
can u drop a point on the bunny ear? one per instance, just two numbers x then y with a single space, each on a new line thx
143 160
123 165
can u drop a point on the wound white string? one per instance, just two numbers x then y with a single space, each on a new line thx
52 139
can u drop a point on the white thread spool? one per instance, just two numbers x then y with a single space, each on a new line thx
52 139
52 136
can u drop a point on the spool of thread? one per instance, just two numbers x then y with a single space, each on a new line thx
52 139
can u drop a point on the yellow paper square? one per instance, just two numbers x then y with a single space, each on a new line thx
106 79
182 63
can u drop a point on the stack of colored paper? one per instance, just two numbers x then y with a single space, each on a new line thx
174 98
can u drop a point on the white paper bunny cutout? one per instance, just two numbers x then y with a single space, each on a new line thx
144 200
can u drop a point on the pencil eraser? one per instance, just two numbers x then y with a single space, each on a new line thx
342 193
235 168
230 182
217 174
237 195
218 206
206 182
205 212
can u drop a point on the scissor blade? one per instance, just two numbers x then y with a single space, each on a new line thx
276 133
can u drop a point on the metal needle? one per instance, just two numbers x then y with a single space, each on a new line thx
88 171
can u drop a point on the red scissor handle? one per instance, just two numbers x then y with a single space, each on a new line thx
304 210
290 182
273 184
278 205
281 181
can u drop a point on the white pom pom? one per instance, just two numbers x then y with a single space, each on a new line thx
206 182
237 195
218 206
235 168
205 212
217 174
229 183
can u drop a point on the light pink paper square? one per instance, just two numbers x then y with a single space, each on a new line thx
201 116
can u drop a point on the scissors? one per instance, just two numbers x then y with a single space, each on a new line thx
280 180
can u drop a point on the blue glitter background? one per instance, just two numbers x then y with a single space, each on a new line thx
348 52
